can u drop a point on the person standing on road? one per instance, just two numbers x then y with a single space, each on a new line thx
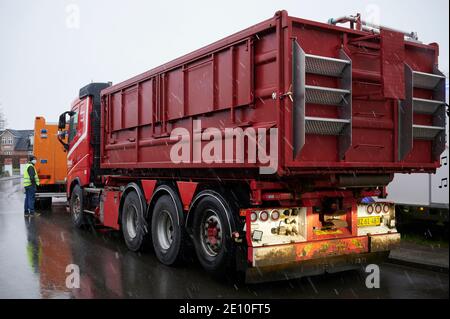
30 182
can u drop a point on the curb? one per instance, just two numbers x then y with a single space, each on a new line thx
9 178
415 264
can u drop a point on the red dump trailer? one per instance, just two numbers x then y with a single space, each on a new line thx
259 149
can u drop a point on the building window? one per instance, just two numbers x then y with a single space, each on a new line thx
8 153
7 140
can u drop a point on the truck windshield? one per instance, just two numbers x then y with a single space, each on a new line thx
73 124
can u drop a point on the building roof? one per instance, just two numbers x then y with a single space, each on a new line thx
23 144
18 133
21 139
22 133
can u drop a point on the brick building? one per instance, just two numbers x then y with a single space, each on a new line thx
15 145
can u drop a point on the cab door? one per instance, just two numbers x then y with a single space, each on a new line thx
78 136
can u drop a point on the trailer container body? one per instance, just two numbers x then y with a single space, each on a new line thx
345 116
260 148
51 164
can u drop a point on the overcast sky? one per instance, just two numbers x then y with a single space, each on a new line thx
51 48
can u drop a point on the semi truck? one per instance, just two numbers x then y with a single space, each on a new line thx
51 164
256 152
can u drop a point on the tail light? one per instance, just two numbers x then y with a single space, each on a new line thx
275 215
264 216
253 216
378 208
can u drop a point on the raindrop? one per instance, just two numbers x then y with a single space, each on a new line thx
312 285
408 277
291 285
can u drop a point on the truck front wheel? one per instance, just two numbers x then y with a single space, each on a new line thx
211 234
133 222
76 207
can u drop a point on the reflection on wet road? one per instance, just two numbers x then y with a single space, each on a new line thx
34 254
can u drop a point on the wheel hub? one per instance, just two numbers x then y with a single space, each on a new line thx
164 229
211 234
132 221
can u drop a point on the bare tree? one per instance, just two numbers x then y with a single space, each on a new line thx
3 121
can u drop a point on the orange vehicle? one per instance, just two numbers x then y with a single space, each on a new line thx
51 163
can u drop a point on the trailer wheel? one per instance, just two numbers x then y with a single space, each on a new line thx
167 231
77 208
132 222
211 233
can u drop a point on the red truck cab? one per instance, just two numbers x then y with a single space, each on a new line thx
82 140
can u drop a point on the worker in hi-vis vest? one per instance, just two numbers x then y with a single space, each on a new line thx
30 182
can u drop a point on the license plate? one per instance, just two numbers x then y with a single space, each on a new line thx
369 221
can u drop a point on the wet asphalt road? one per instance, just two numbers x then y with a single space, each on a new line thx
34 254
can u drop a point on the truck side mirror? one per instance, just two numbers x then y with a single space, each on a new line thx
62 128
62 121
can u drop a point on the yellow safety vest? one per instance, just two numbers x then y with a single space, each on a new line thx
26 176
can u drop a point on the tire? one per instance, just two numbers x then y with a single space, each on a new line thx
211 233
133 224
77 208
168 234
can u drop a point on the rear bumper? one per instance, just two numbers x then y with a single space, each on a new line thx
47 195
313 267
385 242
312 258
